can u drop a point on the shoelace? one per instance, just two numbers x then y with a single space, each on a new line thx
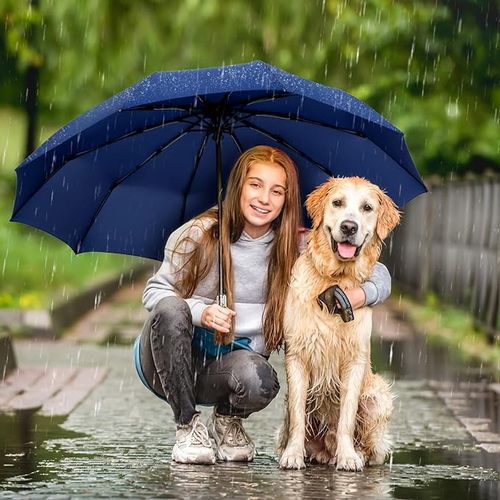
199 434
235 433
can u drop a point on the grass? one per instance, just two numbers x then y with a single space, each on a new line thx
452 326
12 125
37 270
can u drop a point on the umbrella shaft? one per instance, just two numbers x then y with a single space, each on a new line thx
221 298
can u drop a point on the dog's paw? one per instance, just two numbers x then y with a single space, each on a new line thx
377 459
320 457
292 460
352 461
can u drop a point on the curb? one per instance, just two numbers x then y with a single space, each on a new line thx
49 324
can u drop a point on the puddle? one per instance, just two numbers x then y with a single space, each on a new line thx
455 468
26 446
417 359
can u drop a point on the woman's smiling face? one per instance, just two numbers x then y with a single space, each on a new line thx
262 197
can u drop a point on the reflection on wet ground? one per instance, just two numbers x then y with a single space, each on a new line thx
416 358
25 445
118 441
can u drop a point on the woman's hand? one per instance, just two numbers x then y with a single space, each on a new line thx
217 318
356 296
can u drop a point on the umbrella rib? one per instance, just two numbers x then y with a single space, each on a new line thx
204 101
201 99
302 120
285 143
125 177
201 150
133 133
159 108
274 97
236 141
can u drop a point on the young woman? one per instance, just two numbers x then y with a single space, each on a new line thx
192 351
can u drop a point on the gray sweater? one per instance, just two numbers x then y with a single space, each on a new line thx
250 260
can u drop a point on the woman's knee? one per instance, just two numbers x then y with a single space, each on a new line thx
256 382
170 321
172 312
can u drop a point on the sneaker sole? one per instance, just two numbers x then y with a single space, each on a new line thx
243 458
193 461
179 458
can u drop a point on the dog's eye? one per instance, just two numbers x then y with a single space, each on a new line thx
337 203
367 207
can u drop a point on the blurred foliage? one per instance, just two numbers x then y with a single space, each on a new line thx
430 67
37 270
450 326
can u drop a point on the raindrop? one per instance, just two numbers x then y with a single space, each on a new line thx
97 408
5 262
54 267
97 300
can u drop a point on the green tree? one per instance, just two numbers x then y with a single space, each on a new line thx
430 67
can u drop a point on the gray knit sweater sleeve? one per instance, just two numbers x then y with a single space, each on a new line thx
162 283
378 288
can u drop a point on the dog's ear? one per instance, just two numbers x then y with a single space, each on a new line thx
315 202
388 217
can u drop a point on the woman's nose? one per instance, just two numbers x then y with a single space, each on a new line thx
264 196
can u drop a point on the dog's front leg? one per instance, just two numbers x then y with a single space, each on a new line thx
298 382
346 457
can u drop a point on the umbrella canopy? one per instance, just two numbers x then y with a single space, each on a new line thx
122 176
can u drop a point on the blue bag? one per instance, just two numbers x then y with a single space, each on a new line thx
204 341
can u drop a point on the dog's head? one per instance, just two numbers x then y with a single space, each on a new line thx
353 215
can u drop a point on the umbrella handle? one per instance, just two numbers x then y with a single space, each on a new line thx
222 300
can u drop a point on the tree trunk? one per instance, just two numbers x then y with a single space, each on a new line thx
32 76
31 93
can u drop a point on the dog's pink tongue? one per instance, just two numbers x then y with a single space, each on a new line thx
346 250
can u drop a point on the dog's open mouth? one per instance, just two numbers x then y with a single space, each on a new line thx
345 250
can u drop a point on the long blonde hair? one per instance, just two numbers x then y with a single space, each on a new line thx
198 262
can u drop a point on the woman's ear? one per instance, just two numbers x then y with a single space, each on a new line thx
315 202
388 217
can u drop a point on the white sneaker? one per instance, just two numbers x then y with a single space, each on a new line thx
232 442
193 445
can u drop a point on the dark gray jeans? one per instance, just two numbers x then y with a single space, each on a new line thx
238 383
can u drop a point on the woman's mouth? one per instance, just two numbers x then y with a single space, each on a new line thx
260 211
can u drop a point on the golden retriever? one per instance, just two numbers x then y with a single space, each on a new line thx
337 409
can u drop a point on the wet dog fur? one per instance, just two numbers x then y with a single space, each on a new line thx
337 409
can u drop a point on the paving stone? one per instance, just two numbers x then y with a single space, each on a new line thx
490 447
487 437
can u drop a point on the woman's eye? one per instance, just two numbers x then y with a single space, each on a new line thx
254 185
337 203
278 192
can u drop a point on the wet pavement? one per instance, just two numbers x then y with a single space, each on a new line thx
118 441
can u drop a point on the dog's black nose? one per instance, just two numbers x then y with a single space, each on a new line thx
349 227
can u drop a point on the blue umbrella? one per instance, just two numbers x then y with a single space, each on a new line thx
122 176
